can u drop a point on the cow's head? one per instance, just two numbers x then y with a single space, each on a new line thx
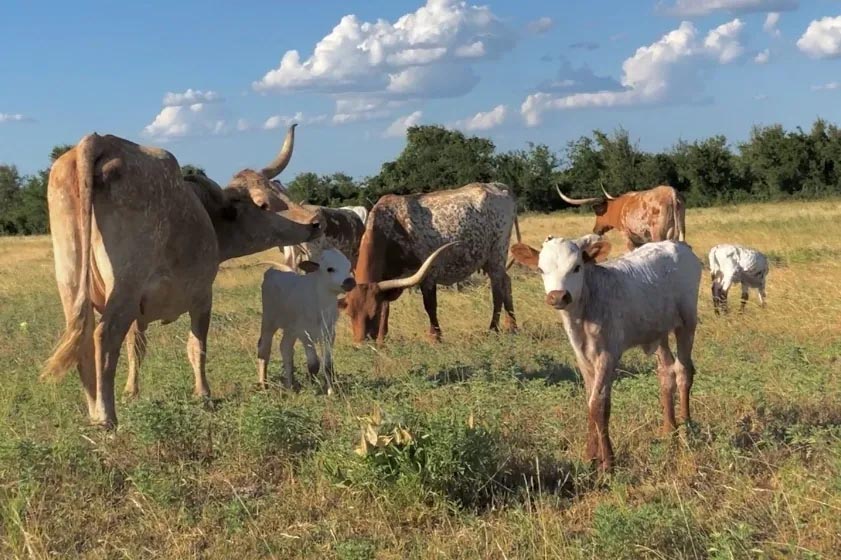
364 304
269 195
604 207
334 269
562 263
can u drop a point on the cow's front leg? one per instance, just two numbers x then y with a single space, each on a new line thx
599 411
430 304
287 353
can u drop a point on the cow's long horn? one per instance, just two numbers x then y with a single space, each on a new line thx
578 201
279 163
605 191
417 277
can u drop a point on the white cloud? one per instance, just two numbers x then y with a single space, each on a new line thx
762 57
190 97
724 41
278 121
14 117
180 121
577 80
484 121
398 128
770 25
427 53
760 97
827 86
663 71
243 125
361 108
540 25
693 8
822 39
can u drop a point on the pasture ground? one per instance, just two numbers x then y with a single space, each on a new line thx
479 438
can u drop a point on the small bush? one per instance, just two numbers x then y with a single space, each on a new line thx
175 428
266 427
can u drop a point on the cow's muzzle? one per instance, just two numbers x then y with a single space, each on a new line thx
348 284
558 299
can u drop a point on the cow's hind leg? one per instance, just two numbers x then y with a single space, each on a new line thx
264 353
136 345
745 296
684 367
430 303
197 349
108 338
666 376
287 353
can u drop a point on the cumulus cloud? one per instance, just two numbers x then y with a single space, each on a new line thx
427 53
278 121
770 25
829 86
661 72
724 41
190 97
540 25
398 128
14 117
762 57
576 80
822 39
179 121
484 121
694 8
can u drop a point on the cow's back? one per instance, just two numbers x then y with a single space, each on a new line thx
479 216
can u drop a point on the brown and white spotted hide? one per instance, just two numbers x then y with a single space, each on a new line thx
343 230
402 231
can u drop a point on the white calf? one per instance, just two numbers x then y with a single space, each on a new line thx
736 264
635 300
304 307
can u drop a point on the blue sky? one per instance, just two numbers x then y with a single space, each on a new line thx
216 83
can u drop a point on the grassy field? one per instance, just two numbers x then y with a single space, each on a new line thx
479 438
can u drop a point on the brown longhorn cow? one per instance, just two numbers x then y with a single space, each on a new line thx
656 214
138 243
402 231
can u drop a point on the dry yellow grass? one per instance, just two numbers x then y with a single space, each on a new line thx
757 475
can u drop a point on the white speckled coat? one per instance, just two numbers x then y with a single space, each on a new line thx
736 264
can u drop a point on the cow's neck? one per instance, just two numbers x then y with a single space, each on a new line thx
234 243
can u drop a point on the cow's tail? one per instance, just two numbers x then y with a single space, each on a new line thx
519 239
80 320
680 215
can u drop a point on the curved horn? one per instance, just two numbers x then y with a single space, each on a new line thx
577 201
417 277
601 183
282 160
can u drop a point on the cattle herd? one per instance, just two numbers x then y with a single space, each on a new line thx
139 242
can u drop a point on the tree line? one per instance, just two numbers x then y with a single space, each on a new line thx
772 164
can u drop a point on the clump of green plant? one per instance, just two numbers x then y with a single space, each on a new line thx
175 428
448 456
267 427
651 530
355 549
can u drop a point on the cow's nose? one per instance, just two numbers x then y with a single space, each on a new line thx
348 284
558 299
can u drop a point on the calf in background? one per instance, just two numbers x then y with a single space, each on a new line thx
736 264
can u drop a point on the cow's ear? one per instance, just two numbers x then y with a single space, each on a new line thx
308 266
595 250
525 255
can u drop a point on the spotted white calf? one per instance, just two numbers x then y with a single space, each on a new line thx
304 308
635 300
736 264
360 211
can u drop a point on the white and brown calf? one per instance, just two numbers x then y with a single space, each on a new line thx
304 308
736 264
635 300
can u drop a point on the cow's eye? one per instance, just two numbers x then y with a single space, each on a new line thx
577 268
264 206
331 270
540 270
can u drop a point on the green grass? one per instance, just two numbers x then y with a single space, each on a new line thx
474 445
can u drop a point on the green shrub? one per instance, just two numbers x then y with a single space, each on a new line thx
267 427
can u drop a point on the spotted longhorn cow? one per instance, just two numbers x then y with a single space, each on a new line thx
402 231
657 214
